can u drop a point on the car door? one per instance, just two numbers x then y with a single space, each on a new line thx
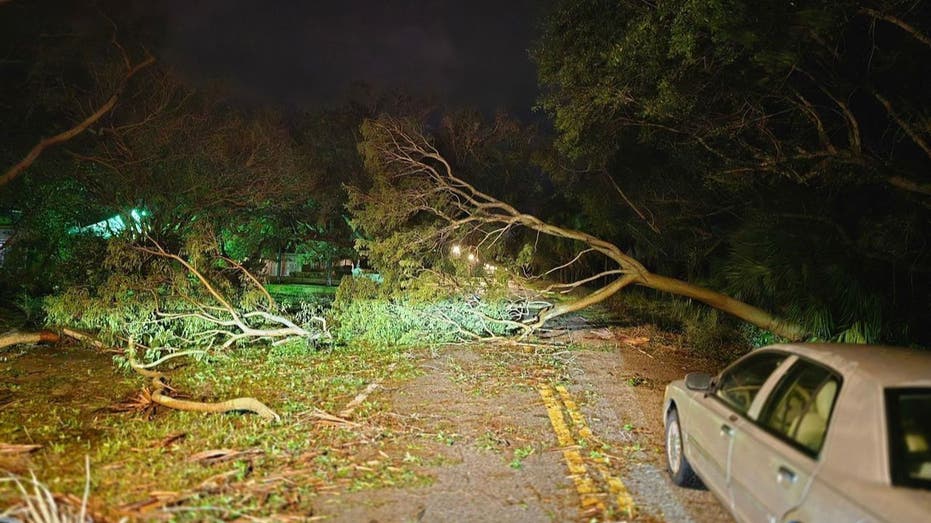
713 416
774 457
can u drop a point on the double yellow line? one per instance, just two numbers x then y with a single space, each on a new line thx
617 499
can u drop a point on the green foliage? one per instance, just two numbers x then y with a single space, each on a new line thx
43 254
423 312
356 289
382 322
772 263
159 304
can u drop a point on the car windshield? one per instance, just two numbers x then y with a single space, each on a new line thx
909 416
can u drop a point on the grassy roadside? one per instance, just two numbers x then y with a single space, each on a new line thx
143 461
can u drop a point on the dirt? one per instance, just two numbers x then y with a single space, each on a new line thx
474 424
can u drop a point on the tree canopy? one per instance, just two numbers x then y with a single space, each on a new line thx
778 150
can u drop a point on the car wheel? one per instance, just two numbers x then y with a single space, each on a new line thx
679 468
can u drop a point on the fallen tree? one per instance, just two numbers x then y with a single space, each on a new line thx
193 298
171 301
415 188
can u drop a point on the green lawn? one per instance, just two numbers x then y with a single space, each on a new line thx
292 291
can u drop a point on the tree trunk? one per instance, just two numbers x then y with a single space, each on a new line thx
722 302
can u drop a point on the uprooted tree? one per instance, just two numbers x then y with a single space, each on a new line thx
418 203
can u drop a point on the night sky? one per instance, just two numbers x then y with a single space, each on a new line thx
311 53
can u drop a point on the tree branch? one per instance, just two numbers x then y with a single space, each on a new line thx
64 136
909 130
908 28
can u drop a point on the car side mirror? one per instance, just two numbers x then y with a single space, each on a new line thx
698 381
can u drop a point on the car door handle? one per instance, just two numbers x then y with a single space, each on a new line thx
785 476
726 430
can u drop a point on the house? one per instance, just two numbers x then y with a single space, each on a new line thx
295 266
114 225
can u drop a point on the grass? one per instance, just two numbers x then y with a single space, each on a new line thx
520 454
296 292
142 464
37 503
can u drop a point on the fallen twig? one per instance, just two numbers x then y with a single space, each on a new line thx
362 396
221 455
326 417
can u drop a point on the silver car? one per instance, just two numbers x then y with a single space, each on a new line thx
808 433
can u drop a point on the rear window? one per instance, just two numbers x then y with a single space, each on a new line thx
909 417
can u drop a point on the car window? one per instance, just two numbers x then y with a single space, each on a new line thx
739 384
909 416
799 409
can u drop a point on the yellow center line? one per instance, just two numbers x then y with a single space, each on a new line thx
616 487
619 492
575 414
588 494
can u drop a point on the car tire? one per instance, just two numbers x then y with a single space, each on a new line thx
680 470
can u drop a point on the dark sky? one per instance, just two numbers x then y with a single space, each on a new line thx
310 52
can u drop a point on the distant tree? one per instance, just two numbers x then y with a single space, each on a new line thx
823 92
77 95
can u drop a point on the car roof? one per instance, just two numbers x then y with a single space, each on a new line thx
885 365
